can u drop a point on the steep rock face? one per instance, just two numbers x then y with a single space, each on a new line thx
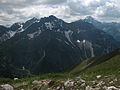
4 33
8 33
52 45
101 42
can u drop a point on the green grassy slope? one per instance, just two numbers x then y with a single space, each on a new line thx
106 64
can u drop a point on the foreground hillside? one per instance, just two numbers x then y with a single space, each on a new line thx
106 64
63 82
98 73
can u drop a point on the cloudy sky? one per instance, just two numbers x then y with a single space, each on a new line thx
69 10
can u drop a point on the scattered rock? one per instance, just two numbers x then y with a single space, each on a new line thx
35 82
92 88
110 88
58 88
15 78
51 83
94 82
88 88
83 84
35 88
43 82
106 76
111 82
100 83
115 80
20 84
81 80
69 83
6 87
98 77
77 78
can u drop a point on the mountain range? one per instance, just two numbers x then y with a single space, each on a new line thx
49 45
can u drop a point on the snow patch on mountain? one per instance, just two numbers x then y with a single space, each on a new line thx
68 35
7 35
43 56
66 42
32 35
37 21
61 24
59 39
20 29
23 29
91 49
84 41
48 25
4 37
78 41
58 30
86 45
11 33
78 31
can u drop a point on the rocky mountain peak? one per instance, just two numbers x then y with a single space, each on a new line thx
90 19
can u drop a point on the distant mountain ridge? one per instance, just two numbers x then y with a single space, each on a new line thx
112 28
49 45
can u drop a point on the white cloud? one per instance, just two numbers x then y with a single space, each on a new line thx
88 2
70 10
44 11
51 1
105 10
110 11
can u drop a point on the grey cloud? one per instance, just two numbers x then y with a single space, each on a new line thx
90 7
69 10
111 11
52 1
